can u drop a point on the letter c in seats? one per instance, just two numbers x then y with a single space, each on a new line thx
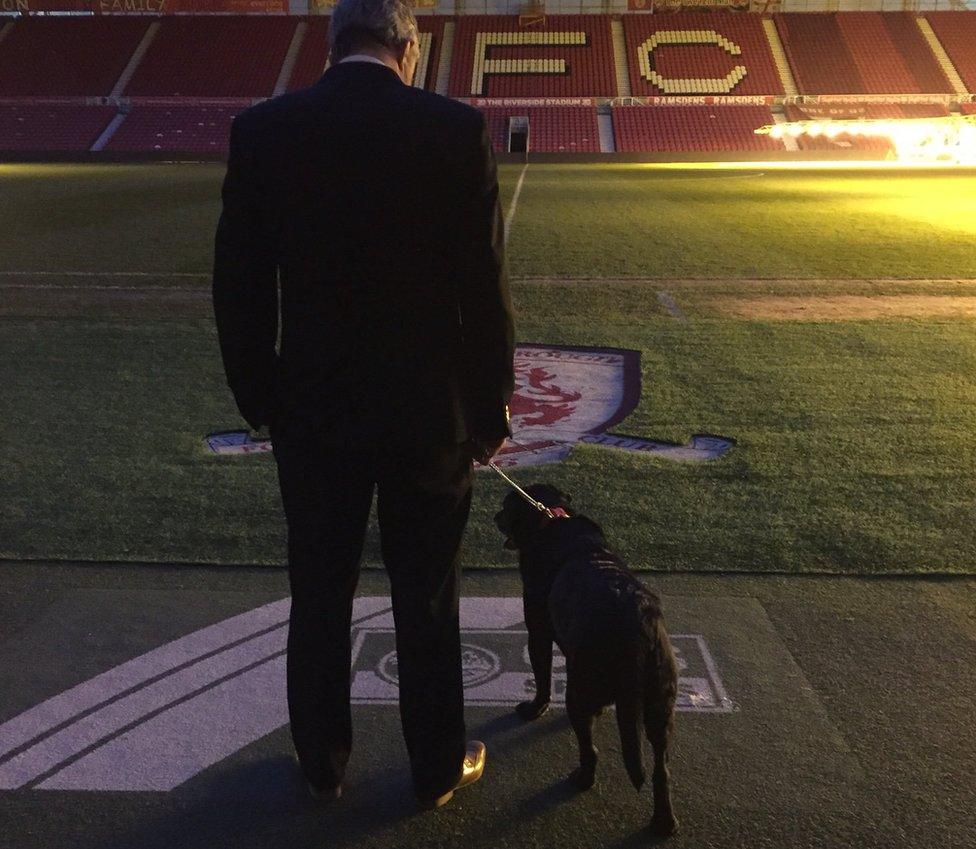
665 38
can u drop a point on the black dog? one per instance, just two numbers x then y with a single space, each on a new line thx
609 627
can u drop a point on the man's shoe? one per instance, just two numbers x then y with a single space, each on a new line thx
320 794
472 769
325 794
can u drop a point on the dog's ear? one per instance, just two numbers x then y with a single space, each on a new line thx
552 496
549 495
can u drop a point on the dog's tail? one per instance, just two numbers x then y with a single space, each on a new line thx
660 685
660 675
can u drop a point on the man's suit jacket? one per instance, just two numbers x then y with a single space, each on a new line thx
377 204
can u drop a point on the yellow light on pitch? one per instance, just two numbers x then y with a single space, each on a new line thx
917 141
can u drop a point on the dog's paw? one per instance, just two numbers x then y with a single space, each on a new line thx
582 779
663 825
531 710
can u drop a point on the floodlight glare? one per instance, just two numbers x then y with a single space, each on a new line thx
948 140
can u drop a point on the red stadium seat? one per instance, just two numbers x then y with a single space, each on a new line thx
859 53
204 56
175 129
957 32
692 128
314 52
61 57
52 127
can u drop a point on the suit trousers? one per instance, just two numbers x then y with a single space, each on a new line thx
424 495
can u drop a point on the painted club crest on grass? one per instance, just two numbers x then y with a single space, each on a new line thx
564 395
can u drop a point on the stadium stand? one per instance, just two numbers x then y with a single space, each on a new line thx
957 33
60 57
565 129
311 58
213 56
859 53
175 129
686 128
53 127
570 56
967 108
850 111
198 71
699 53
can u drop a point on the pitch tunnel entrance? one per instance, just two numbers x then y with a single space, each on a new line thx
518 134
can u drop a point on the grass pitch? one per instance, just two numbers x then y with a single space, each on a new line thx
571 221
856 451
639 221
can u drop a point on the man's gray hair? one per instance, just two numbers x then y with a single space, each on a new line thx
355 23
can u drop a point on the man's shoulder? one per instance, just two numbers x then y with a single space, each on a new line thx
256 117
437 104
295 106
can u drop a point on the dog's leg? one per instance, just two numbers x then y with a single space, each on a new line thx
581 718
659 695
663 822
629 724
540 657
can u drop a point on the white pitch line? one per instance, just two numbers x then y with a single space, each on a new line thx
514 204
671 305
33 724
527 279
185 738
105 722
95 287
190 274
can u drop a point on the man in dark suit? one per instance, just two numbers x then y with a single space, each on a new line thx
376 207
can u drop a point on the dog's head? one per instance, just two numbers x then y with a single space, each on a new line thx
519 521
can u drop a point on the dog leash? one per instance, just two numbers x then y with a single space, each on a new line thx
537 504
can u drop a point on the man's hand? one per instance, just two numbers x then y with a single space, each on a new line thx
483 450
